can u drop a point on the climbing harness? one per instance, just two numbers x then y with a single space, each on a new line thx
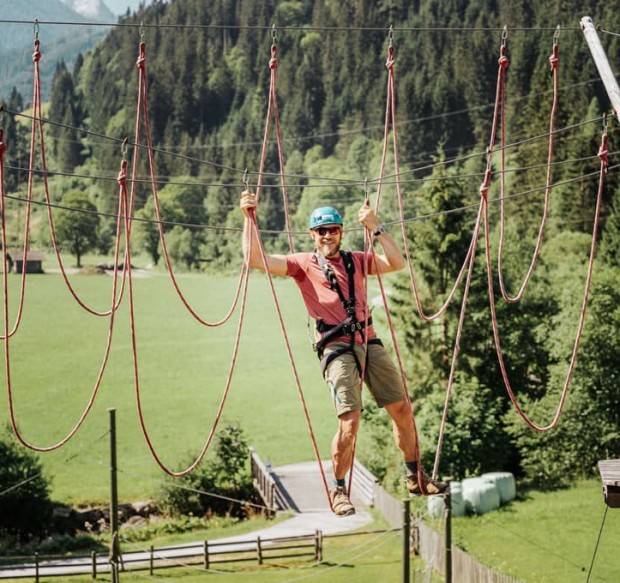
350 326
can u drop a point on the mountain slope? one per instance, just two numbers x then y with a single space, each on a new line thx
58 41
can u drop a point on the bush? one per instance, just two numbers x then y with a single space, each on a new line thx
220 485
25 505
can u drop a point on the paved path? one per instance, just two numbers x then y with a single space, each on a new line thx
305 491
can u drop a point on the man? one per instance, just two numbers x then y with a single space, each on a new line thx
332 286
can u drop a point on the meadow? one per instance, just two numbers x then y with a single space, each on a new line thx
183 367
57 352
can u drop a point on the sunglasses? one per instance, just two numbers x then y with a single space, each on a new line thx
322 231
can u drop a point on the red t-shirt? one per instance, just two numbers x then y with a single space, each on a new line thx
321 301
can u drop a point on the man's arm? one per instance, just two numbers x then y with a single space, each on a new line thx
392 259
275 263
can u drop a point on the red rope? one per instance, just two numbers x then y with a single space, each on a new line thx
554 60
142 114
603 155
121 212
37 122
273 111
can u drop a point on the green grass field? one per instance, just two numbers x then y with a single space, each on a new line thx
56 354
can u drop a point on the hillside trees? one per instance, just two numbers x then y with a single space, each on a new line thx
77 224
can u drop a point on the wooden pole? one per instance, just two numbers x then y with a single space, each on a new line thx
448 555
602 63
114 548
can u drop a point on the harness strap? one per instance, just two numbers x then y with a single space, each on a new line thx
329 358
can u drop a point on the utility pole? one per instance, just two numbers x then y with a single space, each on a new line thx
602 63
114 546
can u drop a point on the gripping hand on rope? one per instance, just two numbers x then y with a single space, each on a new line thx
392 259
276 264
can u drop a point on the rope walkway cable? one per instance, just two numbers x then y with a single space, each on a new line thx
391 118
143 115
95 390
554 60
603 155
37 124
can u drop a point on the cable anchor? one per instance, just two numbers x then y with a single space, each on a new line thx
391 35
556 35
35 29
124 149
246 179
274 33
504 35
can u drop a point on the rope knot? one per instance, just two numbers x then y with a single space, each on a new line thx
390 60
554 59
603 154
503 62
141 62
122 175
273 62
484 187
36 56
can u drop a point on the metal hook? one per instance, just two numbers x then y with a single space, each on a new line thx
142 30
35 29
367 199
124 149
556 35
605 123
274 33
246 179
504 35
391 34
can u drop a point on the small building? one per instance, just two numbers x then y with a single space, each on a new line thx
34 261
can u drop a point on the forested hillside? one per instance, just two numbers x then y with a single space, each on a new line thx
208 72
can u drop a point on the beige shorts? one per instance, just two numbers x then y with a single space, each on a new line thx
381 376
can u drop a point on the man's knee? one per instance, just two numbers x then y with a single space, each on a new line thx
401 410
348 424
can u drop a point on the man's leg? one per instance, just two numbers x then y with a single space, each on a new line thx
343 443
405 437
342 459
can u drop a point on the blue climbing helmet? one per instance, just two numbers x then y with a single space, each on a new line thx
325 215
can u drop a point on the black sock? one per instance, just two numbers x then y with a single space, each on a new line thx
339 483
412 468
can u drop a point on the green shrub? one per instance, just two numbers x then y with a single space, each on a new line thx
25 505
220 485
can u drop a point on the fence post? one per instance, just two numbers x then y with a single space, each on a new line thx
36 567
206 554
114 548
319 546
259 551
151 561
448 542
93 556
406 543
